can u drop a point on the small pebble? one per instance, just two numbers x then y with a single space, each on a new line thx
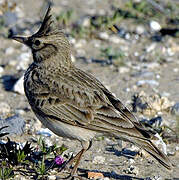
80 43
99 160
127 36
15 124
170 52
104 35
115 39
95 175
131 161
45 132
155 26
52 177
175 70
72 40
4 108
152 65
20 111
1 69
158 76
123 70
136 54
149 82
151 47
86 22
132 170
140 30
13 62
19 86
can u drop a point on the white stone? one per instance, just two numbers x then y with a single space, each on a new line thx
114 39
155 26
132 170
52 177
1 69
19 11
152 65
9 50
151 47
149 82
104 35
86 22
131 161
175 70
127 36
80 52
4 108
13 63
158 76
99 160
140 29
80 43
72 40
19 86
136 54
170 52
20 111
106 178
45 132
123 70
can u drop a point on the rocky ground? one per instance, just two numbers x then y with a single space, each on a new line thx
132 47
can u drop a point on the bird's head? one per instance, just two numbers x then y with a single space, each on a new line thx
48 42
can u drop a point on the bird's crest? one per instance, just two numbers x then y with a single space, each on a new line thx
49 24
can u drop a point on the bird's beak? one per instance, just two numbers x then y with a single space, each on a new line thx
23 40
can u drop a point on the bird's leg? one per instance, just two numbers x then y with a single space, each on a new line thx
67 164
80 154
86 145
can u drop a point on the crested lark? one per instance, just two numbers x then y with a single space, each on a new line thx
72 103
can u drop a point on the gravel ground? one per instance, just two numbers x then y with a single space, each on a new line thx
147 63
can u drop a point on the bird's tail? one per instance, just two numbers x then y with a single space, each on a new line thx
150 147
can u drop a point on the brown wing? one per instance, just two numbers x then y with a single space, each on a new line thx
79 99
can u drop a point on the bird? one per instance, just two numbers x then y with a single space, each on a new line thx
73 103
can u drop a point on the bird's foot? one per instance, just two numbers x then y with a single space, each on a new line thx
66 165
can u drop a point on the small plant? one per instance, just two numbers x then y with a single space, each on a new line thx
141 9
41 144
41 168
61 149
114 55
6 172
13 153
65 17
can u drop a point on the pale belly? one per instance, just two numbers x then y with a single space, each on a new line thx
67 130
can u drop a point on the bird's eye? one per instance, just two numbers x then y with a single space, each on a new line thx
37 42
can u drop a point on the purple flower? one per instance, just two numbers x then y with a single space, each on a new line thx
59 160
